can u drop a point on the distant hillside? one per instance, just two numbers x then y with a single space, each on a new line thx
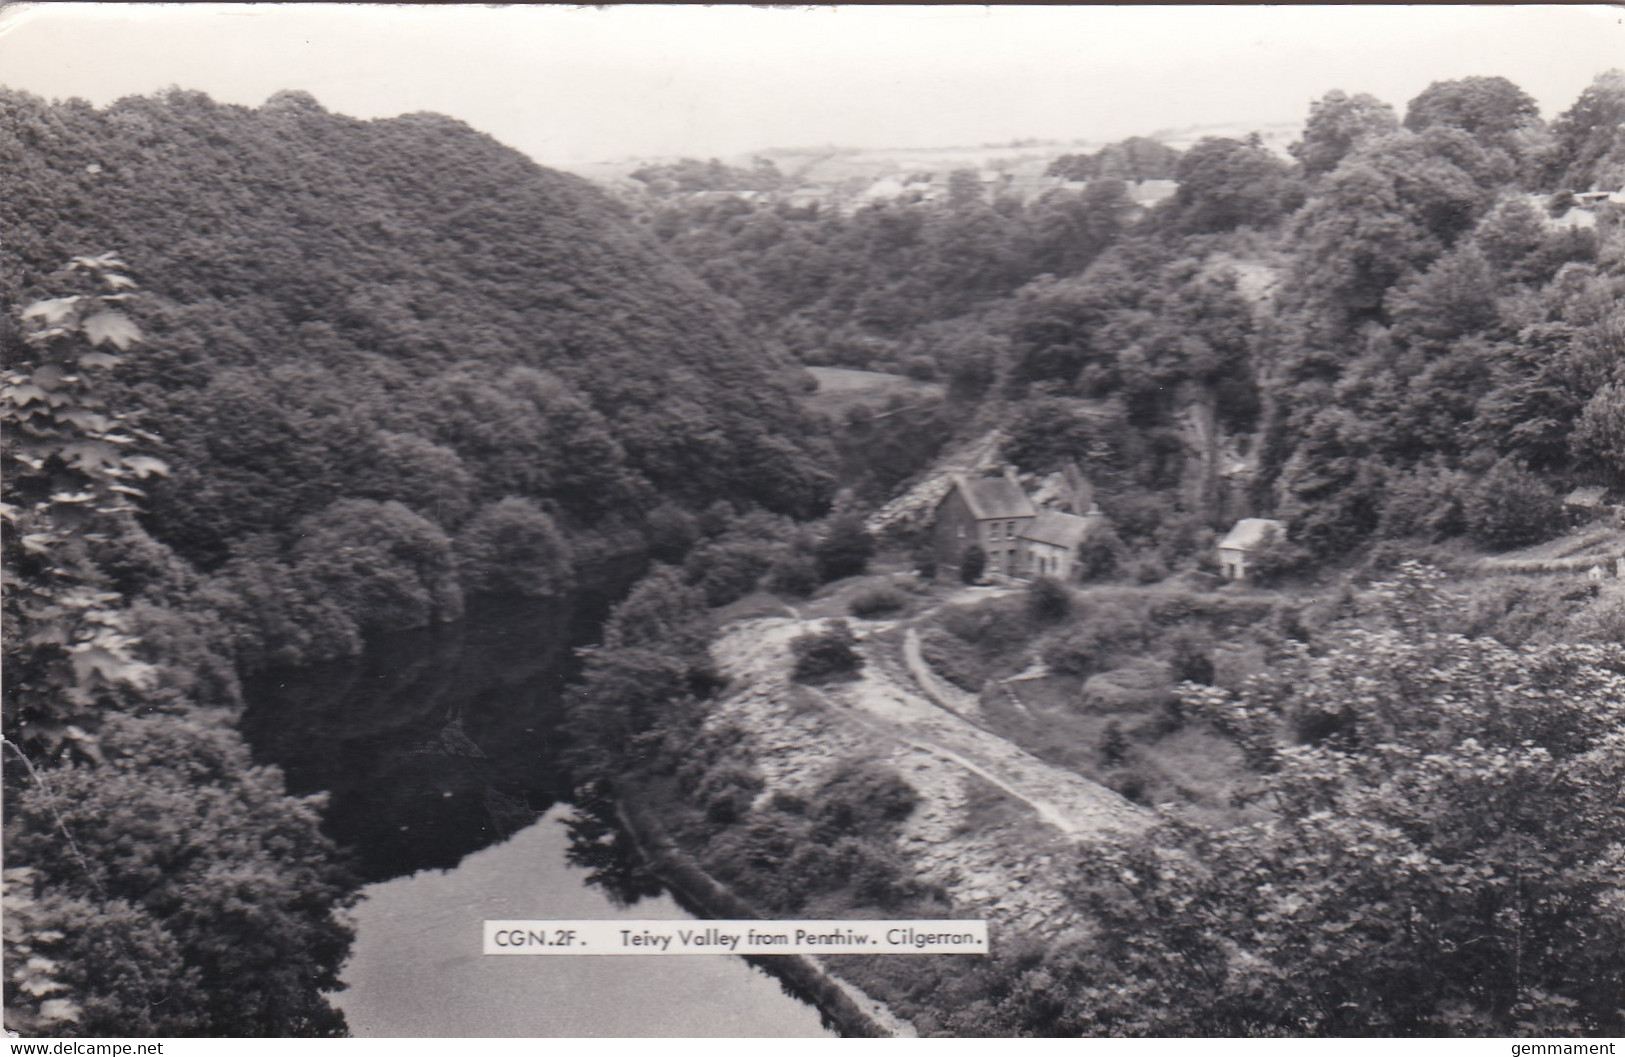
399 309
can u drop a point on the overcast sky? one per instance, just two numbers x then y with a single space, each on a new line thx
581 84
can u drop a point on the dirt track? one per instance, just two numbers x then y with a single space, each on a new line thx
887 702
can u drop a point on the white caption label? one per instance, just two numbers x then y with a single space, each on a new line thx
736 937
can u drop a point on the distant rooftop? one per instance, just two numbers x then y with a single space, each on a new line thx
1059 529
994 497
1249 533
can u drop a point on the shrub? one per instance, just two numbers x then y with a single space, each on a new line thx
1101 554
920 368
727 792
1190 656
828 654
793 573
728 569
952 659
1511 507
877 601
864 797
1275 560
1113 745
845 550
972 564
1148 569
1048 600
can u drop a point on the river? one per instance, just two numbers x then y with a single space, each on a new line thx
439 753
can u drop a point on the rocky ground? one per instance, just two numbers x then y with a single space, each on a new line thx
1009 863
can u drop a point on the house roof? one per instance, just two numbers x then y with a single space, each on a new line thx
1249 532
1058 529
994 497
1591 495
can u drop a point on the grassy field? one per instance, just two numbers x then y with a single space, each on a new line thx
1579 550
841 388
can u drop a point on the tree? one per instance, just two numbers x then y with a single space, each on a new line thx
1599 435
71 469
829 653
1455 297
1490 109
1441 857
1589 148
1390 208
386 567
425 476
1101 553
1338 124
1226 184
845 549
1511 507
513 546
187 894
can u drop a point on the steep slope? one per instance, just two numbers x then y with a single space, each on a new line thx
333 303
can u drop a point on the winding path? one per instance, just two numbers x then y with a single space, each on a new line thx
887 701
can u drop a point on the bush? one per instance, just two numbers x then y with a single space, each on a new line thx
728 792
1101 554
729 568
1048 601
1511 507
952 659
920 368
793 573
1190 656
1276 559
972 564
1114 631
825 655
1113 744
877 601
864 798
845 550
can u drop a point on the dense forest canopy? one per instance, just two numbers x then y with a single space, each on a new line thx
1413 310
481 321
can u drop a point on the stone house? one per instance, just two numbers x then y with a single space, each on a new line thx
1049 544
986 512
1242 540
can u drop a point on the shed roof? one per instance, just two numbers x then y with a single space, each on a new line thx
1249 532
994 497
1590 495
1059 529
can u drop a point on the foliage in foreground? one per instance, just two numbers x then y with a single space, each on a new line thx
1446 856
157 882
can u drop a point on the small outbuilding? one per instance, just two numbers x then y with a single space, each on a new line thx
1586 503
1242 541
